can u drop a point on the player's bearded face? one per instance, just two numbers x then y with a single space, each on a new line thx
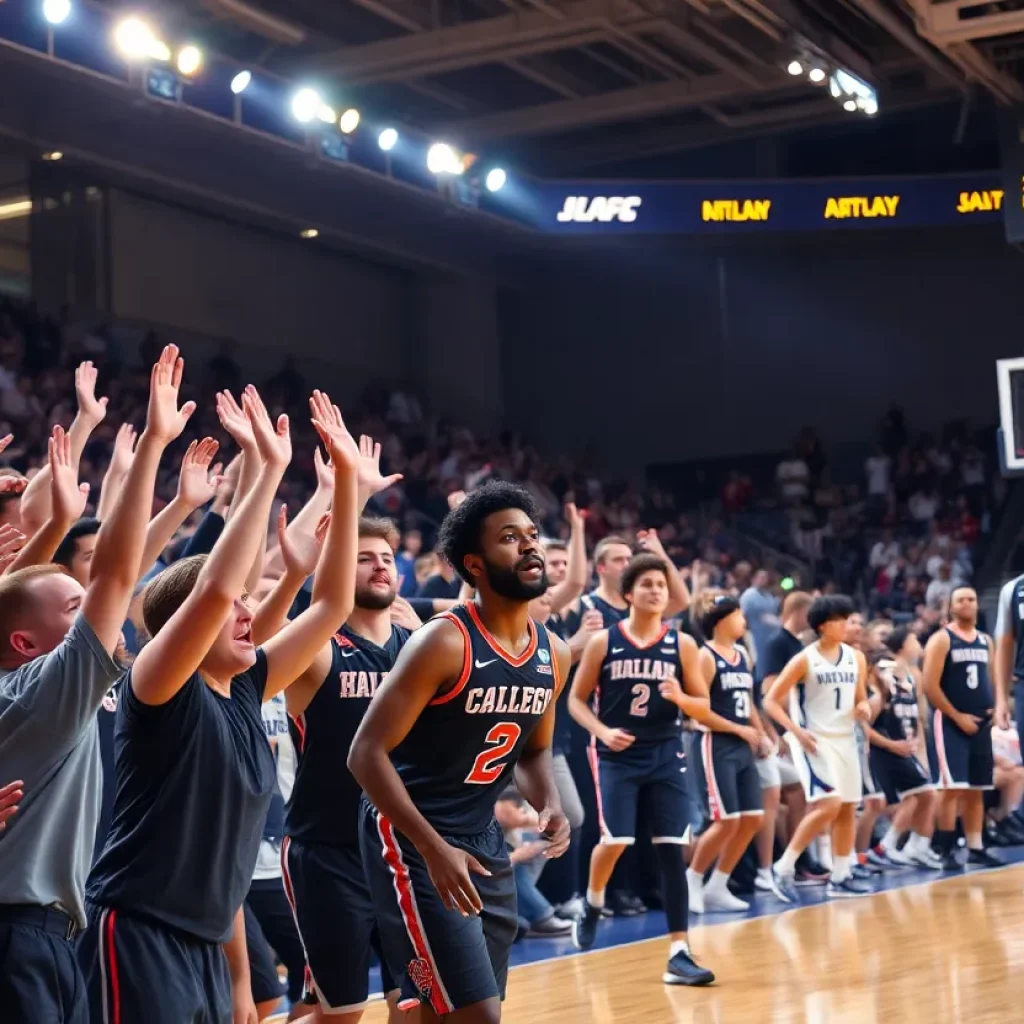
511 583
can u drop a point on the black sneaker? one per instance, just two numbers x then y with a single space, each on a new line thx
682 969
983 859
584 929
810 872
625 904
951 861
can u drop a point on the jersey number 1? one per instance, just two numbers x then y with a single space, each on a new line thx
502 739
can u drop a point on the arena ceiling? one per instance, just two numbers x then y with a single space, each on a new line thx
568 86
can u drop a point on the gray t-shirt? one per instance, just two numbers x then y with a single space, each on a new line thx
760 608
49 738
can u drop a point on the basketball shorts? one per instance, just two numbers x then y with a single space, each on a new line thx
140 972
960 761
649 781
330 898
870 788
727 777
435 955
775 772
271 936
898 777
832 770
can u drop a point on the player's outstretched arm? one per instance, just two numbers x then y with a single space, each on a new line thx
678 591
563 594
118 554
535 775
168 661
294 649
583 685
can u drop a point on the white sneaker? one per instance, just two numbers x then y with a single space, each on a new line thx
763 881
723 901
898 856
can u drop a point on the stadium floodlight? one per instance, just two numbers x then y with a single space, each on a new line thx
495 180
349 121
388 139
850 105
795 68
309 233
190 60
137 41
869 106
53 156
56 12
15 208
816 75
442 159
326 113
306 104
241 82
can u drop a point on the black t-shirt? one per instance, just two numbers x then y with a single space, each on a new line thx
106 718
438 586
780 649
194 781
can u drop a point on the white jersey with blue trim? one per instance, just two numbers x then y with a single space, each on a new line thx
823 701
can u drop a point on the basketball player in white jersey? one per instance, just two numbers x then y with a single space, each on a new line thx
817 699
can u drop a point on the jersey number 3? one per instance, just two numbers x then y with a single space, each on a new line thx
501 741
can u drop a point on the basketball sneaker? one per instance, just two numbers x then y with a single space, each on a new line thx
848 888
983 859
722 901
584 929
682 969
784 886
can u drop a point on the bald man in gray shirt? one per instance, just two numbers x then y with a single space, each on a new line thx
56 647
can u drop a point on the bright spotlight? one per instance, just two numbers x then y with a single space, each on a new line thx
56 11
442 159
349 121
870 107
850 105
816 75
326 113
136 41
53 156
495 180
309 233
388 139
306 104
190 60
795 68
241 82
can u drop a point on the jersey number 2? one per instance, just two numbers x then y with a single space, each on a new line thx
641 695
502 739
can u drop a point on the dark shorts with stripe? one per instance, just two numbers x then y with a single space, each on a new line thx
650 781
959 761
330 898
140 972
437 956
727 776
271 936
39 975
898 777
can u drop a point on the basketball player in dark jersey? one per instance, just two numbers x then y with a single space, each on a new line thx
637 753
733 739
194 770
957 683
897 742
323 866
470 699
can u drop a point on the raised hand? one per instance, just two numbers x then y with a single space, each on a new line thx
90 407
5 441
12 540
124 450
649 541
234 421
455 499
300 552
370 479
273 443
12 484
324 472
574 517
327 422
165 421
67 494
197 482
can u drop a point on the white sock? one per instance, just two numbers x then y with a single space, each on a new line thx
694 879
919 843
764 872
786 864
595 897
719 882
678 946
891 839
841 868
974 841
824 857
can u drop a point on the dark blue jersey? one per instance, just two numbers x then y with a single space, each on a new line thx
965 679
1010 620
324 806
106 718
628 695
732 690
194 781
460 752
899 718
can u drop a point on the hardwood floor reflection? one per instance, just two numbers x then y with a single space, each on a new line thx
937 954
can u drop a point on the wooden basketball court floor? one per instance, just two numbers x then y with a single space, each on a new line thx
932 950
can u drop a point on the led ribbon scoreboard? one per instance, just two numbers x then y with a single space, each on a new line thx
682 207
